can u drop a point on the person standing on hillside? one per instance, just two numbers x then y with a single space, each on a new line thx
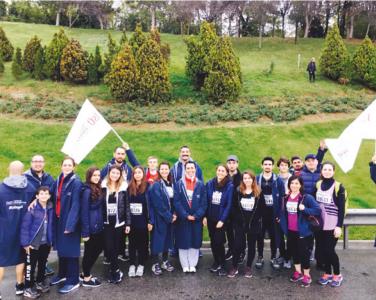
311 69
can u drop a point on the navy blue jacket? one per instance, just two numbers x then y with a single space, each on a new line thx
67 245
125 167
311 208
189 233
32 224
36 182
225 202
177 171
161 214
13 206
91 213
372 169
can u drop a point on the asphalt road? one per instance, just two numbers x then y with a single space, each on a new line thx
357 266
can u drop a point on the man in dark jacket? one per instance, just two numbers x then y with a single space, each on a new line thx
15 195
311 69
177 171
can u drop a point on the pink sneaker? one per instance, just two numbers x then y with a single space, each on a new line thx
296 277
306 282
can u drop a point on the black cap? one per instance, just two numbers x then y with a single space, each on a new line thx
309 156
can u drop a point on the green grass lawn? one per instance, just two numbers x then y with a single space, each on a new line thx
21 139
287 80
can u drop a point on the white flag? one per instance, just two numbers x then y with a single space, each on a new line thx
344 150
87 131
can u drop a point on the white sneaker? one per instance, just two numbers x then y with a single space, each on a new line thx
132 271
287 264
185 270
140 271
192 269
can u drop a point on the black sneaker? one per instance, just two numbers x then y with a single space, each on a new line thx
123 257
275 263
241 258
222 271
43 286
228 255
117 277
106 261
93 282
259 262
214 268
20 289
31 293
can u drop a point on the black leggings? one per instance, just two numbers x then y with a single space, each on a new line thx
299 249
230 236
326 244
267 226
93 247
36 257
112 236
217 242
240 240
138 246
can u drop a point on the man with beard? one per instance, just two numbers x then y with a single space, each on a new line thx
177 170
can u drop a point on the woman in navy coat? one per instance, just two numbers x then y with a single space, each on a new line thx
162 216
190 205
67 233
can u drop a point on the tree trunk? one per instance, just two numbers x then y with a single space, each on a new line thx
99 18
368 26
296 32
152 11
230 25
307 24
273 27
351 33
327 17
181 28
260 36
58 17
283 25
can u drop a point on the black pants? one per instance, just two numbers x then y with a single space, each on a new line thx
93 247
122 244
138 246
312 76
159 258
36 257
241 238
112 236
217 242
69 268
299 249
282 246
326 244
267 226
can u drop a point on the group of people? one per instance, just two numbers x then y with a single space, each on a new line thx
162 210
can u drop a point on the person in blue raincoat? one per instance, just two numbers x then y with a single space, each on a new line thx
66 222
162 216
190 205
15 195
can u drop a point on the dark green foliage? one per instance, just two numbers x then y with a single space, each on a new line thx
98 62
74 62
17 64
38 72
1 65
112 50
334 56
123 38
153 84
122 78
364 61
6 48
30 51
164 47
53 55
92 72
137 40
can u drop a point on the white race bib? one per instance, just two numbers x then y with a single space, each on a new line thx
190 195
268 200
323 198
216 198
170 191
248 203
136 209
111 209
292 207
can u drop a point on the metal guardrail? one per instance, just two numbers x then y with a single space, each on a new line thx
357 217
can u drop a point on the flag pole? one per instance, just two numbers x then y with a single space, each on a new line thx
118 136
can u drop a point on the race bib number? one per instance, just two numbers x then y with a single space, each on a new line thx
268 200
136 209
170 191
248 203
111 209
323 198
292 207
216 198
190 195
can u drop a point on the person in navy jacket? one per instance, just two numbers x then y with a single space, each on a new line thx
178 170
272 192
293 219
91 224
219 191
190 205
162 216
15 194
67 229
36 238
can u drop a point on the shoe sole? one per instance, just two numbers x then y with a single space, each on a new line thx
228 258
91 286
57 282
74 288
297 280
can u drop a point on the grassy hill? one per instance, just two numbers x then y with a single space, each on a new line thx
22 139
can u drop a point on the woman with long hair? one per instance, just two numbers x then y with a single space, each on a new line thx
247 221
